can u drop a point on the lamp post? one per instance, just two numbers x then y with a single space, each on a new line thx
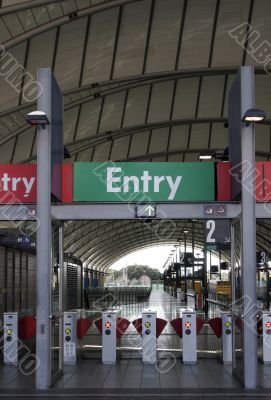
242 117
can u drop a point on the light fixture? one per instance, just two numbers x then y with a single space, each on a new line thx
254 115
205 156
37 118
185 231
222 155
66 153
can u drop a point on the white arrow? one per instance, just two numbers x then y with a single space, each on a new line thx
227 239
150 210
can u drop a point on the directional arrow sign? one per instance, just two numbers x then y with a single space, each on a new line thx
146 211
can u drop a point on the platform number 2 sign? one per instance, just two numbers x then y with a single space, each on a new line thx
218 233
210 227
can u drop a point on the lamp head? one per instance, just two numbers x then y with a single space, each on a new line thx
254 115
37 118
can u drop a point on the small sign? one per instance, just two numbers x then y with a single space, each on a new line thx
215 211
107 325
147 324
268 324
68 331
218 234
146 211
188 325
228 324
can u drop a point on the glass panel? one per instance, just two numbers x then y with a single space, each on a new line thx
55 350
56 304
237 301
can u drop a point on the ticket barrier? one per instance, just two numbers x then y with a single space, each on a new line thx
222 328
188 326
11 338
112 327
74 328
70 319
17 329
150 328
266 337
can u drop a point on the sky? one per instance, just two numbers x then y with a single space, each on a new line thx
154 257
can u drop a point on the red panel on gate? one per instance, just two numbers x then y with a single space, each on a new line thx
216 325
67 183
239 323
21 330
260 327
83 326
223 179
122 325
99 325
200 323
177 326
138 325
27 327
160 326
30 327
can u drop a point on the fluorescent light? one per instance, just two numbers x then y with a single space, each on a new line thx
254 115
205 156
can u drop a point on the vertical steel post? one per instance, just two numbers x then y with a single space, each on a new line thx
248 225
44 268
61 297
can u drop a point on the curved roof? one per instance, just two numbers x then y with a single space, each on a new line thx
144 80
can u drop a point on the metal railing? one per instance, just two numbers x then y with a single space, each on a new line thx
103 298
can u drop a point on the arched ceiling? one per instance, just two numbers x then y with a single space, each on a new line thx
144 80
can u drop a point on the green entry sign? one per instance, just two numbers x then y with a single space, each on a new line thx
144 182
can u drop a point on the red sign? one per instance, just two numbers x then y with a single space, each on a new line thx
187 325
262 181
268 324
107 325
18 183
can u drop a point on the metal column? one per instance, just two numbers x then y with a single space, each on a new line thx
248 225
43 285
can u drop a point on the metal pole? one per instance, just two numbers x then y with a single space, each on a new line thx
185 283
44 268
61 297
248 224
193 252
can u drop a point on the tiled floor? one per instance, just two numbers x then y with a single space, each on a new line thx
133 374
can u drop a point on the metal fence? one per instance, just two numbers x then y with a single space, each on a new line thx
103 298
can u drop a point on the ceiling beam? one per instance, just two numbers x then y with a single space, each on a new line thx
26 6
65 20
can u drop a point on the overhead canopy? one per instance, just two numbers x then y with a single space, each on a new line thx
144 80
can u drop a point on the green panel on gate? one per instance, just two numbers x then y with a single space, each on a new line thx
144 182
